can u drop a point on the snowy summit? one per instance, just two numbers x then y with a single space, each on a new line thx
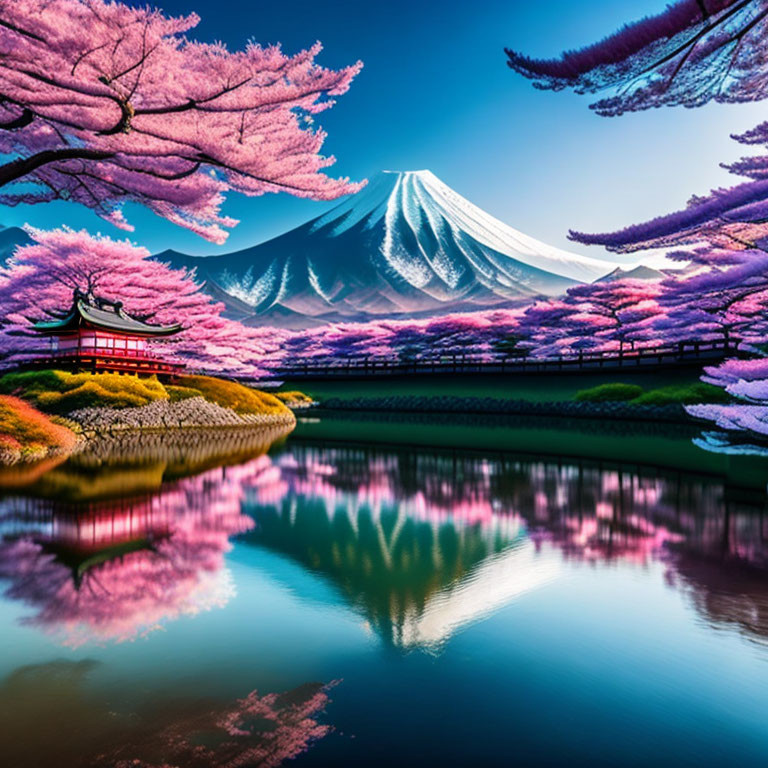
406 244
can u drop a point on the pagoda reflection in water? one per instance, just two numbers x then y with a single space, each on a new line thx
112 552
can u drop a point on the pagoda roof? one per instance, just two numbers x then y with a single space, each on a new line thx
102 314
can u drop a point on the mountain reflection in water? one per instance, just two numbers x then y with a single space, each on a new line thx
423 543
421 546
419 543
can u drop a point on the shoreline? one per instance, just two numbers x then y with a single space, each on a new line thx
194 416
465 406
95 427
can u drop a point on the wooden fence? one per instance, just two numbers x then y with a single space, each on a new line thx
672 355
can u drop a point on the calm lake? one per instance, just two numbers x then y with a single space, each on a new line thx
446 593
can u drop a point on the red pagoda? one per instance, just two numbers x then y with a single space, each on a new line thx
98 335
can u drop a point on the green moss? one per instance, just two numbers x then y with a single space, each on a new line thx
682 394
615 392
31 382
685 395
176 393
294 399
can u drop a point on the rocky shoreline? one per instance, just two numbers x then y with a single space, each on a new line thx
489 406
9 457
101 431
192 413
186 446
98 432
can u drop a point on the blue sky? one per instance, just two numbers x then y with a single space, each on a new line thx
436 93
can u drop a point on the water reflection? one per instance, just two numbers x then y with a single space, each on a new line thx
81 725
423 543
111 553
734 443
419 543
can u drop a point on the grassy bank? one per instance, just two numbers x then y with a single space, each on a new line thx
31 399
552 388
652 396
62 392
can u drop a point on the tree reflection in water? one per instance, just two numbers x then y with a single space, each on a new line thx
420 543
132 549
109 550
83 726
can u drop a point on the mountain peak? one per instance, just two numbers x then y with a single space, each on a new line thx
640 272
420 200
407 244
423 172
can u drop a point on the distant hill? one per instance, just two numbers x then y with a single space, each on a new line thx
407 245
638 273
10 238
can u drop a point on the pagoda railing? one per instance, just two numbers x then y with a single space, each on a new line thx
128 360
100 351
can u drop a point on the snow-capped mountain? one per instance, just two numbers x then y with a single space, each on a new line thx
405 245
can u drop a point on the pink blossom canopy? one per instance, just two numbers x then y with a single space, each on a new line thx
103 104
693 52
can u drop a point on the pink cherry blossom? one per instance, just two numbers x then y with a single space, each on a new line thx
40 279
104 103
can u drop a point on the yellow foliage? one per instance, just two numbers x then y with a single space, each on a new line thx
295 399
230 394
62 391
26 431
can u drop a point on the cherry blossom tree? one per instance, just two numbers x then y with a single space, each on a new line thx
486 335
102 103
555 327
735 218
720 295
605 316
693 52
39 281
473 335
723 294
745 421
